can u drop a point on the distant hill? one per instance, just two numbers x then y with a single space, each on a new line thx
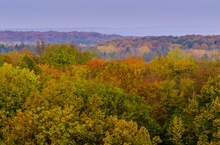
149 47
86 38
115 46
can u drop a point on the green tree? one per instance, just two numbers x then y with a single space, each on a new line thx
176 131
29 63
63 56
16 85
173 66
126 133
207 119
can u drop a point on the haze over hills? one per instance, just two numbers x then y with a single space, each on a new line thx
157 30
55 37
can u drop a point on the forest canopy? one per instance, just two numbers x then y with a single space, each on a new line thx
65 96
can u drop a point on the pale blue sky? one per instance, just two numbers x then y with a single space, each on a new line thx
171 16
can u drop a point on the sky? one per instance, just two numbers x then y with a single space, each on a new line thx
125 17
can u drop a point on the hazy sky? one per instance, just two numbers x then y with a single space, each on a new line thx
162 14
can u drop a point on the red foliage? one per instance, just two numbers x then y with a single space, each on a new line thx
95 63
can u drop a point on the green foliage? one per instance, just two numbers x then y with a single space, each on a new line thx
29 63
126 133
174 65
166 102
2 59
62 56
176 130
208 116
117 103
16 85
209 92
69 126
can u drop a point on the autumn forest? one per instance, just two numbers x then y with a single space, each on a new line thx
110 90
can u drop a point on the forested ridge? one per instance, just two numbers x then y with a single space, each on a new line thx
54 37
60 95
151 46
115 46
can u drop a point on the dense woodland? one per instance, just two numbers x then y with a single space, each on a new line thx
149 47
115 46
60 95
